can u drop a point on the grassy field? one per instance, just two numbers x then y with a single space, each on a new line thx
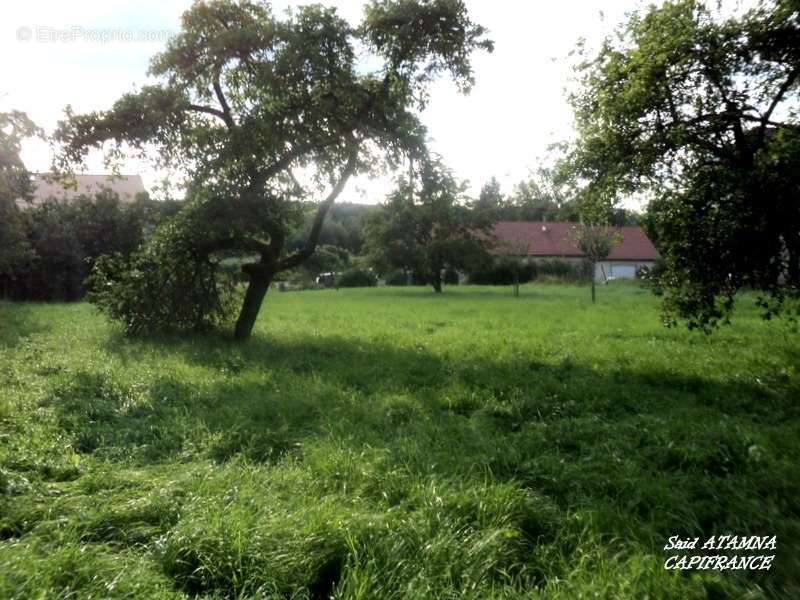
389 443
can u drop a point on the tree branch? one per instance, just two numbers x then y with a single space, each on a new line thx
298 188
765 118
207 110
283 163
319 219
226 109
733 115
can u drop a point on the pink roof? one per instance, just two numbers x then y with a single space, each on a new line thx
537 238
126 186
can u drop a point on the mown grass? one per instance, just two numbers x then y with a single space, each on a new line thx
390 443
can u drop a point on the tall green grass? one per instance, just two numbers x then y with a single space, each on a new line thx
393 443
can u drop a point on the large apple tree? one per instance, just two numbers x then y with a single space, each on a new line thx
254 106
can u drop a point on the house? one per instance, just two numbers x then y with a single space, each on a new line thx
543 240
127 187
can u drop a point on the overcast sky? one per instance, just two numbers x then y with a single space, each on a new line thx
88 53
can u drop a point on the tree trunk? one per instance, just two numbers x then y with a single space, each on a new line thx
262 272
516 282
436 281
256 290
593 293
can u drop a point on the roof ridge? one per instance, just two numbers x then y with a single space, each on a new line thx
556 238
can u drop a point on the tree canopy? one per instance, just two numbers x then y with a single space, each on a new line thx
249 103
595 242
699 111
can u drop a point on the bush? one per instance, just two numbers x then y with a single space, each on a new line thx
558 269
651 276
165 285
397 278
563 270
356 278
15 249
325 259
451 277
58 269
502 273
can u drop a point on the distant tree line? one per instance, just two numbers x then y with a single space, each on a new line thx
343 227
543 197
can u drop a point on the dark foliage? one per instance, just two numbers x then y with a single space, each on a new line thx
397 278
450 277
60 242
132 289
357 278
502 272
564 270
652 276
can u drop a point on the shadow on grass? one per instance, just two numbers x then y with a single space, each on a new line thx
377 367
269 398
643 454
17 321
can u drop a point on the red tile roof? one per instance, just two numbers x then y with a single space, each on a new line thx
126 186
537 238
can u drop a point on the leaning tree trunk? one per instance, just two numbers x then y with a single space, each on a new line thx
256 290
594 267
261 273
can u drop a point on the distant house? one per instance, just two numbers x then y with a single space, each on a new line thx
542 240
127 187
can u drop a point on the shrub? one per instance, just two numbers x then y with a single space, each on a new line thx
15 249
651 276
397 278
563 270
502 272
167 284
326 259
556 267
357 278
300 279
58 268
451 277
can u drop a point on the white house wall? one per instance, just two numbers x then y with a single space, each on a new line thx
618 269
